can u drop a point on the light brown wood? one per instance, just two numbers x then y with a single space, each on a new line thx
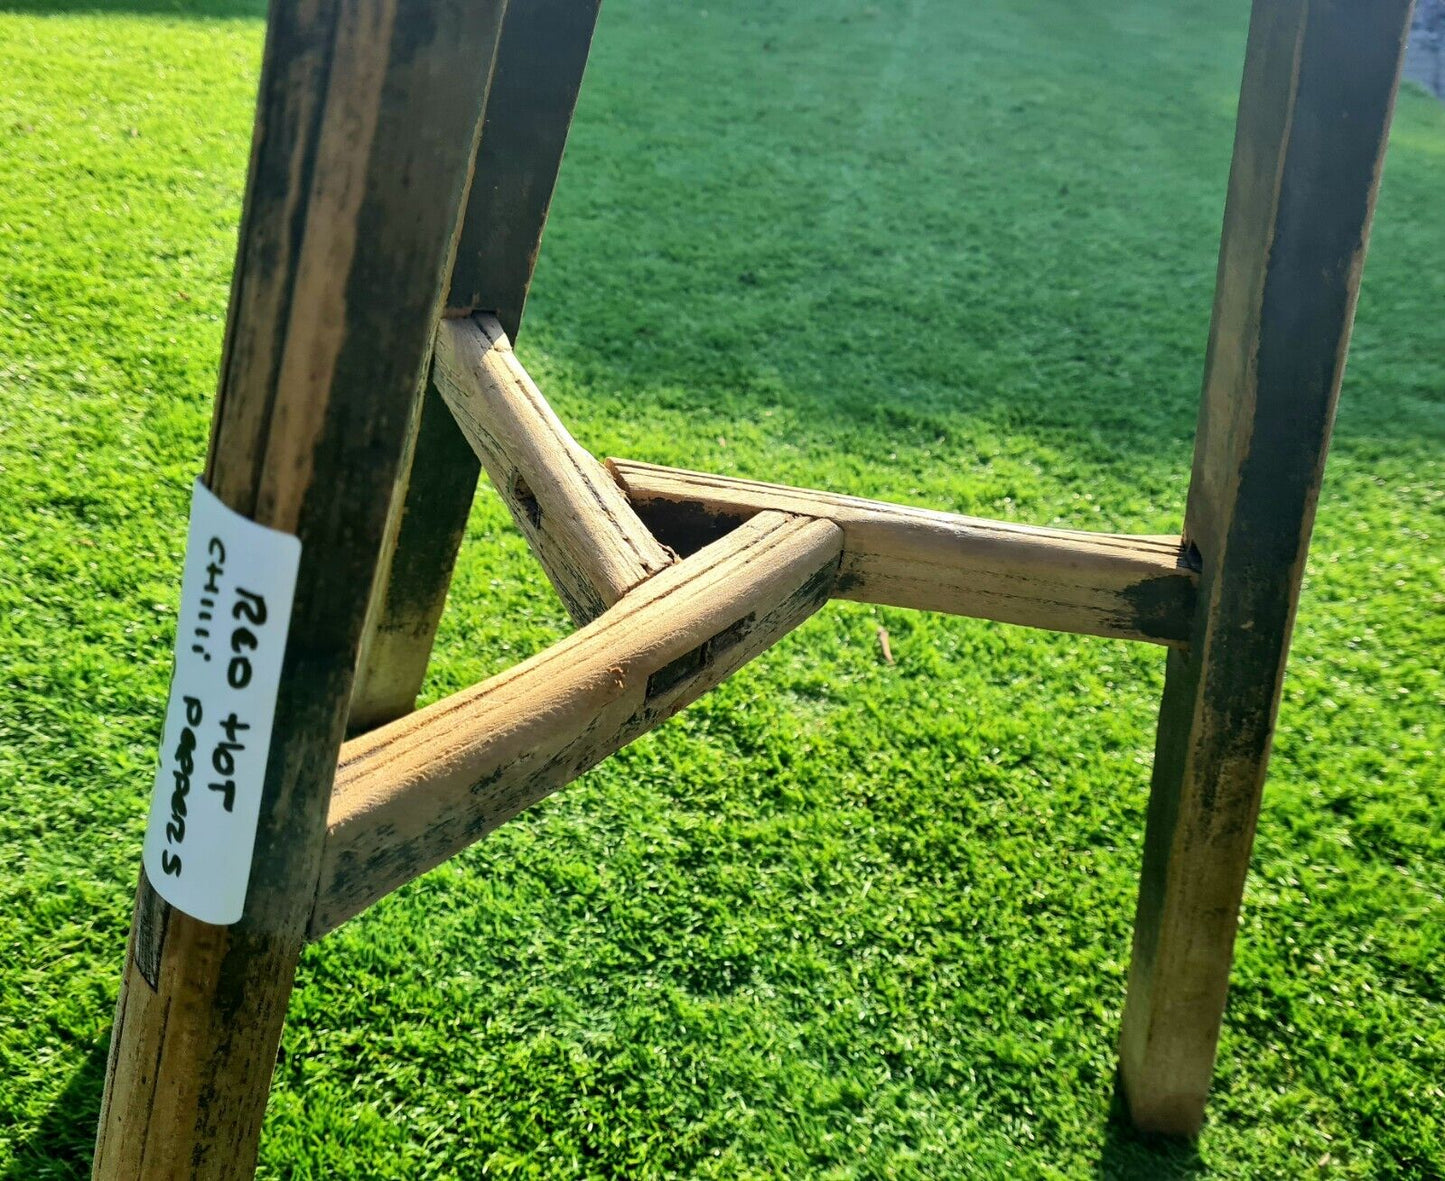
338 283
577 521
412 793
1314 111
1134 588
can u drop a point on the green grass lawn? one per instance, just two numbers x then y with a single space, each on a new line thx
841 918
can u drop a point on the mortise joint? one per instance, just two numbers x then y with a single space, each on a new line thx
525 500
697 659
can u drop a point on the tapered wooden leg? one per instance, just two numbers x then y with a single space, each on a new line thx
539 69
1319 86
339 281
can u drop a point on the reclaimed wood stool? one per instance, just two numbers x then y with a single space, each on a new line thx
404 158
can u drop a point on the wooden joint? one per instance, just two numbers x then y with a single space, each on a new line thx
1104 584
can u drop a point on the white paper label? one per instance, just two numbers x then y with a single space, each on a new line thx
236 595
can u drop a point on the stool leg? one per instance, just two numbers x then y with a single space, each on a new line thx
539 69
1314 110
339 280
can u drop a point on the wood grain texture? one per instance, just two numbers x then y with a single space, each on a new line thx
338 283
1319 84
577 521
411 794
1136 588
534 88
428 521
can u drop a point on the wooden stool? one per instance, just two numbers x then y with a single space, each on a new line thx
404 159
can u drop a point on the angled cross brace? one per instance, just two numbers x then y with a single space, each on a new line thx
1104 584
577 521
762 558
411 794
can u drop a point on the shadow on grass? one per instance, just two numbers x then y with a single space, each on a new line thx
64 1141
197 9
62 1145
1128 1155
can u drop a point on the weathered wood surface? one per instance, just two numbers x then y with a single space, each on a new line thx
538 72
338 283
529 112
1319 84
577 521
429 517
411 794
1136 588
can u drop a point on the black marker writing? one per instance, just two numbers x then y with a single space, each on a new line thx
181 774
